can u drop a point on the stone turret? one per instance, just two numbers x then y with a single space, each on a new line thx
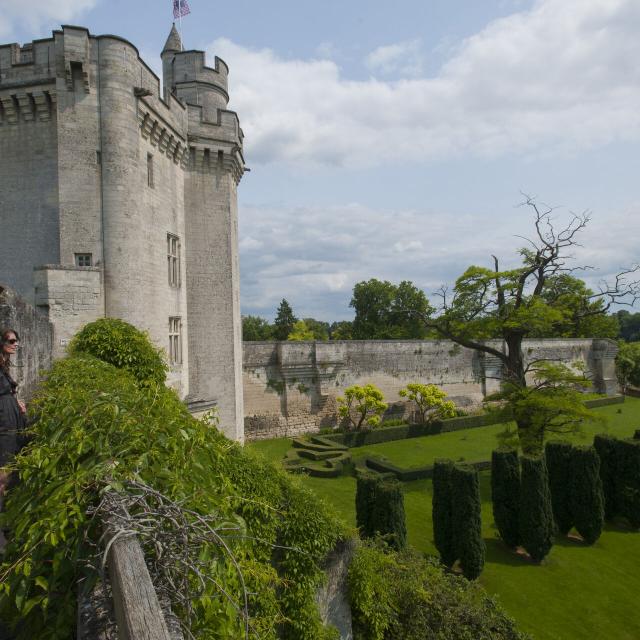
216 165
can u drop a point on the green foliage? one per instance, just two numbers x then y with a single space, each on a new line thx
536 514
628 364
98 428
466 518
390 520
605 446
283 324
554 404
627 460
300 332
366 486
342 330
361 405
505 494
387 311
585 489
629 326
430 402
380 510
122 345
403 596
441 512
582 315
256 329
318 328
558 456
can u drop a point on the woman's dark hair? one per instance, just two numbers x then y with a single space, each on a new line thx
4 338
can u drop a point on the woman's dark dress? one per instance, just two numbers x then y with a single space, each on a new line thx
11 420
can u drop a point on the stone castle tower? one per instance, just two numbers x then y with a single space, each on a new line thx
119 200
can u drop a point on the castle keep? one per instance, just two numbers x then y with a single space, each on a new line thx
118 199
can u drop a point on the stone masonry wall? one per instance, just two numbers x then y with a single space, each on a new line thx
291 388
36 334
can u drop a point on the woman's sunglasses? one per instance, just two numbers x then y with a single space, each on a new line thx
13 341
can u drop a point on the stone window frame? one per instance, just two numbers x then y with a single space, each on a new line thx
175 340
174 249
83 260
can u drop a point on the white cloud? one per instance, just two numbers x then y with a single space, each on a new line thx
315 261
401 58
36 14
557 78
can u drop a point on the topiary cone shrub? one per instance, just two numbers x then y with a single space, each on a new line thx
467 522
628 480
606 449
585 492
390 519
558 456
505 494
366 487
536 515
441 511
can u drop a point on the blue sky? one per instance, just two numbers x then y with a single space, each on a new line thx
393 140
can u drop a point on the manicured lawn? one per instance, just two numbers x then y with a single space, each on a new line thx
579 592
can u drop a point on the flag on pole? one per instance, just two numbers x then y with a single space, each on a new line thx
180 8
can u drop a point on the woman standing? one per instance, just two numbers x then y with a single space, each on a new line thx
12 410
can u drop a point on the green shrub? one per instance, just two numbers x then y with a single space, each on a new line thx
361 405
97 427
380 509
585 493
366 487
536 515
628 480
467 523
390 520
505 494
441 513
430 402
122 345
605 447
558 456
403 596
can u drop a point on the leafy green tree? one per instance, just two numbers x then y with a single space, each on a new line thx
342 330
284 321
536 514
558 457
628 364
516 303
361 405
585 489
430 402
441 511
319 328
505 494
255 328
381 310
300 332
629 325
467 523
582 311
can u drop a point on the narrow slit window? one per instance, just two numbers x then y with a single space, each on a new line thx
150 170
173 260
175 340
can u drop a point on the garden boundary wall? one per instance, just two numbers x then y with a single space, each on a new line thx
290 388
36 333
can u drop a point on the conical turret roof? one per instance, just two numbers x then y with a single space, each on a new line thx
174 42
